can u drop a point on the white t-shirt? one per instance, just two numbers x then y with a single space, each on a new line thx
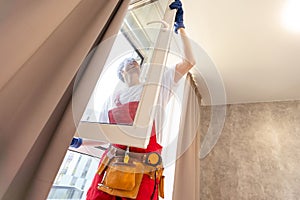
133 93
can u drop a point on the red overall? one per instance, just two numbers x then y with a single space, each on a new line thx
124 114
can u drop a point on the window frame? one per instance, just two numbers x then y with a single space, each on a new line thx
140 130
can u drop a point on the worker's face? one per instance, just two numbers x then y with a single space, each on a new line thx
131 71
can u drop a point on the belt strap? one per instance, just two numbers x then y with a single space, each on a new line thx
152 158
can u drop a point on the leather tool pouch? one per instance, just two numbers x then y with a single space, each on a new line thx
124 179
121 179
161 186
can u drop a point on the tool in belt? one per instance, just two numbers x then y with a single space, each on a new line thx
124 170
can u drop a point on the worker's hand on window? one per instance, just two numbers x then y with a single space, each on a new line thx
76 142
179 14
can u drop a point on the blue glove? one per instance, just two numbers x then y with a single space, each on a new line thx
76 142
179 14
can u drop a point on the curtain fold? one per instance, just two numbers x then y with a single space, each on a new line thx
40 58
187 174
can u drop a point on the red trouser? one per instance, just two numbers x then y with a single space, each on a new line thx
125 113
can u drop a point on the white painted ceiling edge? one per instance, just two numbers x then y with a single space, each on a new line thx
257 58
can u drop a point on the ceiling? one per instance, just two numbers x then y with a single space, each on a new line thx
257 58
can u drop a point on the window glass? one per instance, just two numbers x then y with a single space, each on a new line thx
74 176
109 84
135 44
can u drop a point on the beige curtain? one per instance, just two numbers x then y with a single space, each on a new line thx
43 44
187 174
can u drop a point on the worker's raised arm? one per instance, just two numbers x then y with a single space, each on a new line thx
188 60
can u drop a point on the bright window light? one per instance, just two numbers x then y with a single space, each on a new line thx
291 15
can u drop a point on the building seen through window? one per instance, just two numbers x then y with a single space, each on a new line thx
74 176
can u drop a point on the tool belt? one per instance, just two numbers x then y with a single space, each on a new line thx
123 172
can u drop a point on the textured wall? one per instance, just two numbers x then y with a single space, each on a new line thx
257 155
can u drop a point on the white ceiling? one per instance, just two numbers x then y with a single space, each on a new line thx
257 57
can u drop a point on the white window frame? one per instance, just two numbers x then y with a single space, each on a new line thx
140 130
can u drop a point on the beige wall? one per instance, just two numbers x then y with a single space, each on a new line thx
257 155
